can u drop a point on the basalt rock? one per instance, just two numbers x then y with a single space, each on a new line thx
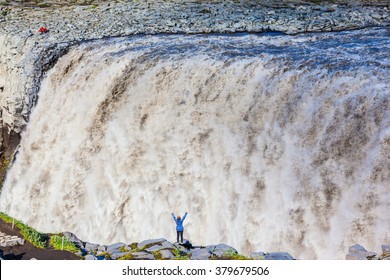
358 252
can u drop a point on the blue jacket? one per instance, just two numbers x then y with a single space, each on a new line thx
179 223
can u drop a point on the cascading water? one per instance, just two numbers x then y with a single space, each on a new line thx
271 142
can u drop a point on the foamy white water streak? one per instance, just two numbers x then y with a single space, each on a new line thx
271 143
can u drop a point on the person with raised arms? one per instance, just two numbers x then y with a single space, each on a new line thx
179 226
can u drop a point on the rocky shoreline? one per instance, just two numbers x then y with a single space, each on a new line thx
26 54
162 249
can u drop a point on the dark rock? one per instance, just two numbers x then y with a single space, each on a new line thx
200 254
258 255
118 255
102 248
222 249
278 256
376 16
328 9
73 238
386 249
358 252
143 256
90 258
355 256
168 245
115 247
149 243
154 248
166 255
356 249
91 247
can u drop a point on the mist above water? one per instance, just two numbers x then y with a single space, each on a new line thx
271 143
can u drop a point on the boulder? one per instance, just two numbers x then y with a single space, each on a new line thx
81 252
278 256
200 254
258 255
158 247
356 249
222 249
376 16
166 255
10 241
143 256
154 248
91 247
89 258
150 242
358 252
355 256
115 247
118 255
168 245
73 238
182 250
101 249
328 9
385 249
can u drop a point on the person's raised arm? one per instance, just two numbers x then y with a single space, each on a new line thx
173 216
185 215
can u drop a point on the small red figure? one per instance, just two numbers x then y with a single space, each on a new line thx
42 30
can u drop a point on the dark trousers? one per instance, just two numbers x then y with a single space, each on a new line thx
179 233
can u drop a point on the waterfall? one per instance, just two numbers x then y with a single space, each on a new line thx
269 142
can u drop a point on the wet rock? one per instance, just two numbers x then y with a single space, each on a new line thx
143 256
328 9
91 247
115 247
257 255
376 16
358 252
200 254
102 248
166 255
222 249
90 258
150 242
353 256
168 245
278 256
118 255
356 249
154 248
386 249
73 238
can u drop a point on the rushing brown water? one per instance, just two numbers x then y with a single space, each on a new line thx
269 142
